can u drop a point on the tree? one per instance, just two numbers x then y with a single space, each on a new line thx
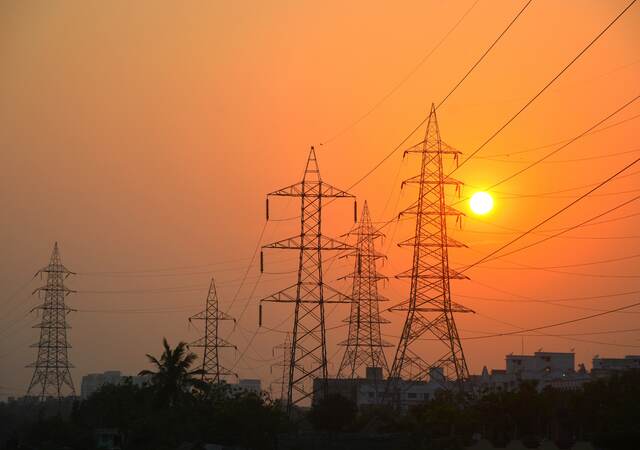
173 379
333 413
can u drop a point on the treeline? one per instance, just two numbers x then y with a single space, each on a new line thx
177 410
606 413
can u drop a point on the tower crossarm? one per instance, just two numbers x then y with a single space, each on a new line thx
425 146
369 277
447 211
455 307
417 180
372 255
203 342
412 242
432 273
302 188
215 315
58 289
290 294
299 243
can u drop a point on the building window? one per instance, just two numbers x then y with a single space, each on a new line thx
412 395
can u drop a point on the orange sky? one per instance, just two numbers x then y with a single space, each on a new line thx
145 135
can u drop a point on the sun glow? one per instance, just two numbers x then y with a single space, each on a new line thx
481 203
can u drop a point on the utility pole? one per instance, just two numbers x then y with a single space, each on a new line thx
211 342
364 345
285 353
51 374
430 311
310 293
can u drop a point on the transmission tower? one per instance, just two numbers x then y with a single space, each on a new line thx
51 374
310 293
285 350
364 345
211 342
429 307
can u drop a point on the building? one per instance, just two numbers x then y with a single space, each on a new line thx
544 369
603 367
553 369
94 381
246 385
374 389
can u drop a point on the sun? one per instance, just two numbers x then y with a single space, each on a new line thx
481 203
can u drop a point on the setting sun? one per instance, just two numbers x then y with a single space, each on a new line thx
481 203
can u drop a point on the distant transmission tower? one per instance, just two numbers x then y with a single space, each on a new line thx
429 308
364 345
285 353
211 342
51 373
309 293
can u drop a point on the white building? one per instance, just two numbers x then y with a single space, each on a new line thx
544 368
374 389
609 366
246 385
94 381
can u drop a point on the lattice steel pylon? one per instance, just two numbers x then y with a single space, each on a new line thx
211 342
310 293
429 308
364 344
283 365
51 374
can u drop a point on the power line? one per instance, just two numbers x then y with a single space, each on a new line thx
557 336
549 230
402 81
14 295
557 213
558 302
424 120
553 80
550 300
563 266
508 196
571 141
556 324
528 150
527 104
165 269
572 227
493 44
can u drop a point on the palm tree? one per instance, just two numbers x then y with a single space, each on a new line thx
173 379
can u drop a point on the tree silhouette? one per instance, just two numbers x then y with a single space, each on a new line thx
173 379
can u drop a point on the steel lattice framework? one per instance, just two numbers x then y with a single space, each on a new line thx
211 342
364 345
283 365
310 293
51 374
429 308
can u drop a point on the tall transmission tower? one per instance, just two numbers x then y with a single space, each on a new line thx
283 365
429 308
310 293
364 345
51 376
211 342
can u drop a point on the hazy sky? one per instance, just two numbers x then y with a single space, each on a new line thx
143 137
